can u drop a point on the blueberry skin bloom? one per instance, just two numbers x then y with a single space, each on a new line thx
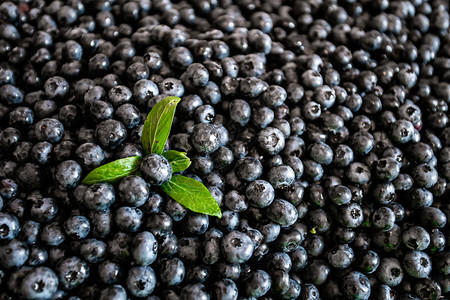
40 283
9 226
156 169
141 281
237 247
356 286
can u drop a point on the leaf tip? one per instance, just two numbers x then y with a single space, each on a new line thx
218 214
173 100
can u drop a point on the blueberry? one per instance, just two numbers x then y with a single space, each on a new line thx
257 284
109 272
101 223
159 224
56 87
72 272
236 247
52 234
145 248
171 87
240 111
281 176
168 245
67 174
248 169
21 117
204 113
197 74
110 133
205 138
128 219
29 232
279 260
93 250
358 173
340 194
172 272
50 130
274 96
39 283
350 215
427 289
314 245
8 188
189 249
369 261
229 221
9 226
390 272
282 212
294 193
44 209
116 292
141 281
99 196
156 169
194 291
225 289
119 247
313 171
133 191
271 140
197 223
128 115
175 210
11 95
383 219
417 264
433 217
317 272
388 241
90 155
14 253
356 286
401 131
424 175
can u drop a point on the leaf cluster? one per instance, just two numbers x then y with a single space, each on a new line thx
186 191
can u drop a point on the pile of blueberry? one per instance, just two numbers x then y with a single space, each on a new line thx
321 127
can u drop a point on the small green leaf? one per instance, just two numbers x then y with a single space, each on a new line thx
178 160
114 170
157 126
192 194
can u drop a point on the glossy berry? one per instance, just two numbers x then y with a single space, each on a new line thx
99 196
236 247
156 169
141 281
417 264
133 191
356 285
9 226
72 272
39 283
145 248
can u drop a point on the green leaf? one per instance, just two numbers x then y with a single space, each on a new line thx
114 170
157 126
192 194
178 160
